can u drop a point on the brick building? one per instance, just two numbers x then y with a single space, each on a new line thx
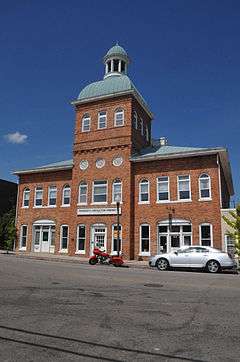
169 196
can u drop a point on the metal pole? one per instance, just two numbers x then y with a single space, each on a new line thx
118 239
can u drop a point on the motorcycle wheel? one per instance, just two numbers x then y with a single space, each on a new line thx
93 261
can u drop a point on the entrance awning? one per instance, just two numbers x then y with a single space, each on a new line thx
175 222
44 222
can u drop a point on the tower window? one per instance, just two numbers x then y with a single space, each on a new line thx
123 67
109 66
115 65
102 120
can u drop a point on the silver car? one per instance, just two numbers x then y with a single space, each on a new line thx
204 257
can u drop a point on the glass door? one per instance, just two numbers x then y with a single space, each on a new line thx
45 239
99 238
162 244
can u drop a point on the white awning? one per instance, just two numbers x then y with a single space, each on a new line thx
175 222
44 222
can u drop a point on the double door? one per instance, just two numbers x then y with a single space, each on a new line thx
43 238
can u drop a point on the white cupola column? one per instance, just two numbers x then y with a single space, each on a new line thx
111 65
119 66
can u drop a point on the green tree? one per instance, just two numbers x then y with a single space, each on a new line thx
7 230
234 223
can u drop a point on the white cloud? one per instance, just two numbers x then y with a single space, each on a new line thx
16 137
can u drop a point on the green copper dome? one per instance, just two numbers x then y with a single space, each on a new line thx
116 50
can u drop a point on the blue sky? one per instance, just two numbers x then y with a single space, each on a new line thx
185 61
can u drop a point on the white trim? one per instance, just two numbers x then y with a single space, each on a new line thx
199 187
82 124
83 251
105 116
168 199
211 233
219 182
49 189
175 222
190 193
84 184
44 222
101 202
142 253
61 249
23 248
140 193
117 182
118 110
38 188
26 190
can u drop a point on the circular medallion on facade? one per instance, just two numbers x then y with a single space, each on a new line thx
100 163
83 164
117 161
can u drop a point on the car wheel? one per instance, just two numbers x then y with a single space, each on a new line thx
213 266
162 264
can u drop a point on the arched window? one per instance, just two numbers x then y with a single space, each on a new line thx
86 122
142 126
135 120
147 133
119 117
144 191
26 197
145 239
82 194
206 234
117 190
204 186
66 195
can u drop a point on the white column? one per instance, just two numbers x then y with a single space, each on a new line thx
112 65
119 66
106 68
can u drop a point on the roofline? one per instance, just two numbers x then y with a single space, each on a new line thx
43 169
223 156
113 95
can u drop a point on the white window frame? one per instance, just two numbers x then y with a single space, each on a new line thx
120 237
85 185
135 120
26 191
50 188
21 236
190 193
81 251
66 187
142 253
168 191
144 181
63 250
211 233
119 111
86 117
200 189
38 188
102 115
116 182
93 188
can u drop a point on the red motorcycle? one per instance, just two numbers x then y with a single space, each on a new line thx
104 258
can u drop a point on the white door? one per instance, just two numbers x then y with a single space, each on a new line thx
99 237
45 245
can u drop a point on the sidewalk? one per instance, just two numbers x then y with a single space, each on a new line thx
70 259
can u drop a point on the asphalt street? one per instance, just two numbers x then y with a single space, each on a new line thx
58 311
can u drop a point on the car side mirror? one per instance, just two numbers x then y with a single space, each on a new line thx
175 252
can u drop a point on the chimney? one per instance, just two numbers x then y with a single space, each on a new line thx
163 141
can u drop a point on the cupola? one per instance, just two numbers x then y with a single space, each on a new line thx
116 61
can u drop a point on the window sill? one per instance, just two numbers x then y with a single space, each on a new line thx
143 202
65 205
114 203
85 131
99 203
206 199
163 202
23 249
38 207
83 204
24 207
183 200
120 125
80 252
63 251
144 254
51 206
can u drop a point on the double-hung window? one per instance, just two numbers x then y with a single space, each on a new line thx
38 196
81 239
119 117
100 191
66 195
26 197
86 123
144 191
117 191
82 195
145 239
206 234
64 237
163 189
204 187
102 119
184 192
23 237
52 196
